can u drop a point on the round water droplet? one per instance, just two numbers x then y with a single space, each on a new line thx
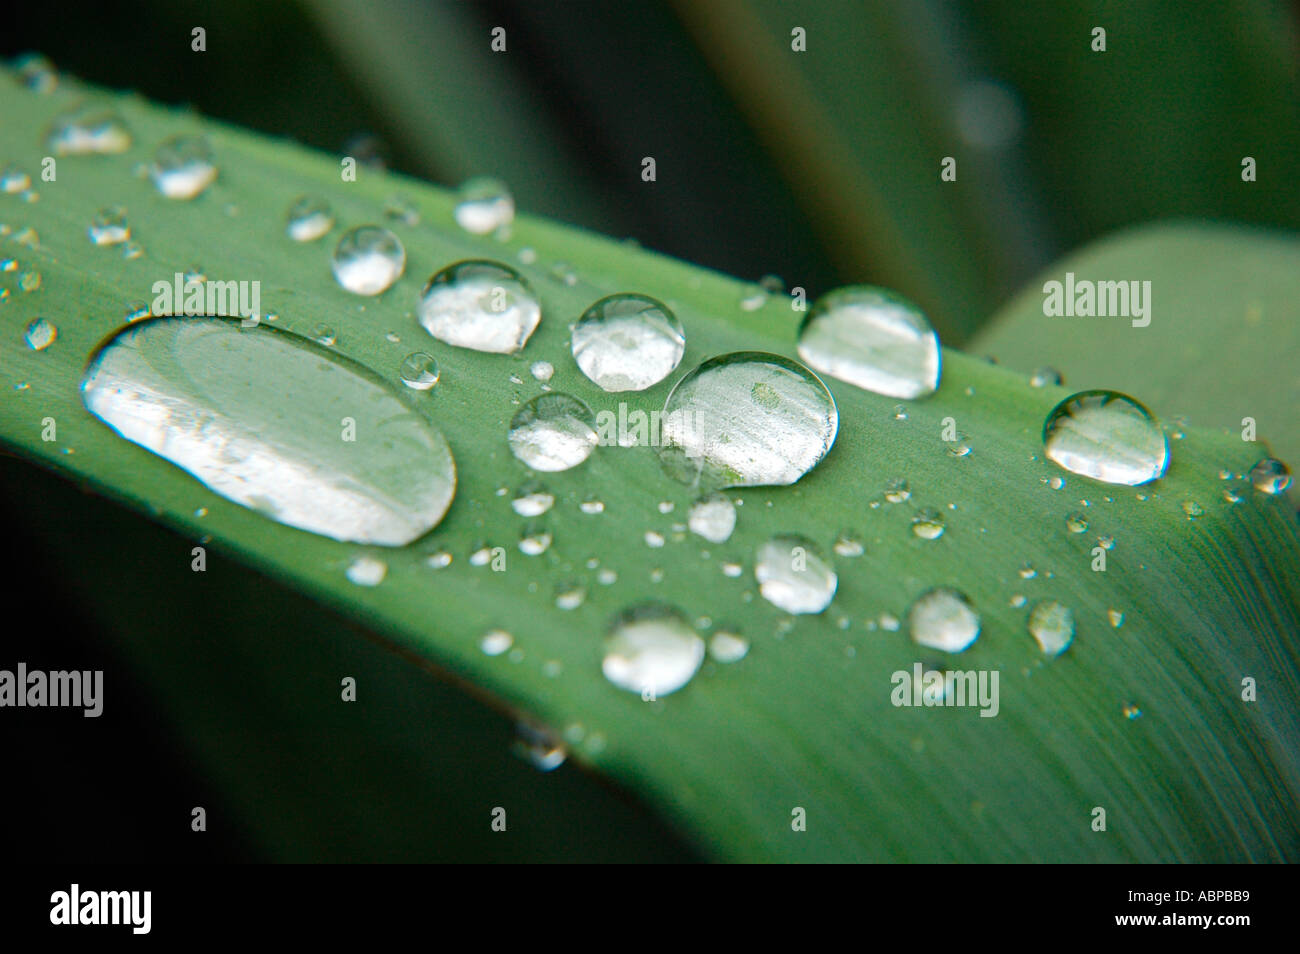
654 539
535 540
532 500
928 524
542 370
482 305
713 517
367 571
652 650
484 205
728 647
874 339
944 619
40 334
849 544
419 371
553 432
368 259
254 414
1270 476
897 490
495 642
1046 377
628 342
109 226
1107 436
1052 625
308 219
14 180
746 419
1076 523
793 576
88 132
183 167
569 596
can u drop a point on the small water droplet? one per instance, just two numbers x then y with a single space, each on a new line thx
1232 495
569 596
1017 601
480 555
1106 542
553 432
325 335
928 524
183 167
1131 712
14 180
419 371
897 490
1107 436
368 259
943 618
606 577
109 226
1052 625
792 575
900 412
481 305
1192 509
484 205
746 419
131 250
438 560
136 311
532 499
848 544
652 650
1027 572
400 209
726 646
654 539
36 72
713 517
592 505
535 540
1270 476
1076 523
1046 377
88 132
958 447
628 342
1116 618
731 568
40 334
542 370
874 339
309 218
367 571
536 744
495 642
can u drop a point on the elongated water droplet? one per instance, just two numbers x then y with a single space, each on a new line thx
368 259
276 424
532 500
713 517
652 650
308 219
746 419
1046 377
792 575
1270 476
628 342
419 371
481 305
944 619
553 432
1052 625
109 226
592 505
367 571
88 132
183 167
495 642
484 205
874 339
1107 436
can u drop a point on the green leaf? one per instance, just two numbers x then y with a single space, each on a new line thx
806 719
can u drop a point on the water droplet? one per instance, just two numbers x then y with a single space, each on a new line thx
728 647
8 264
484 205
897 490
1046 377
654 539
958 447
84 132
652 650
1193 509
928 524
713 517
542 370
606 577
1052 625
553 432
1270 476
1017 601
419 371
1131 712
746 419
848 544
569 596
666 506
755 297
539 747
732 569
325 335
13 180
495 642
136 311
109 226
36 72
132 250
1106 436
1116 618
368 259
532 499
482 305
874 339
29 281
628 342
1106 542
40 334
400 209
480 555
183 167
438 560
1232 495
535 540
308 219
592 505
1027 572
1076 523
367 571
793 576
944 619
254 414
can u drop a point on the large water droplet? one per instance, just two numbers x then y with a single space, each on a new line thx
874 339
1107 436
484 205
628 342
308 219
84 133
792 575
746 419
713 518
652 650
553 432
1052 625
482 305
1270 476
276 424
943 619
368 259
183 167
